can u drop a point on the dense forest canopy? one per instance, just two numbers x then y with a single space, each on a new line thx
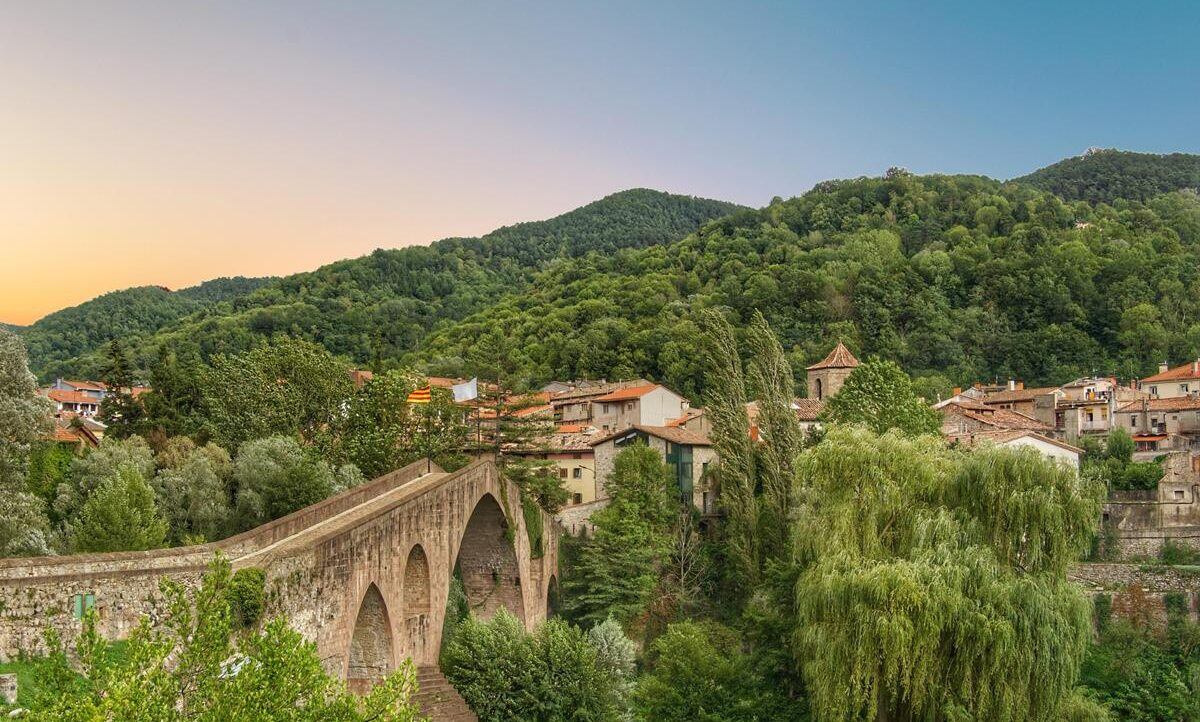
955 277
55 339
379 305
1104 175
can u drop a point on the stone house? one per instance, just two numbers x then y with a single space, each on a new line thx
1059 451
1142 521
645 405
574 463
687 453
574 406
970 417
1161 425
1170 383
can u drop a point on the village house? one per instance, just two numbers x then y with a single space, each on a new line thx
80 403
971 417
1059 451
686 453
574 406
645 405
1161 425
574 462
1170 383
75 433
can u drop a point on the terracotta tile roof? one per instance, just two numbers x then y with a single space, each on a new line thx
533 410
808 409
1190 370
1181 403
569 428
1005 436
71 397
87 385
593 390
688 415
674 434
839 358
1000 397
626 394
998 418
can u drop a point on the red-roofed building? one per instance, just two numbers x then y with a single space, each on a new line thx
648 405
79 403
1171 383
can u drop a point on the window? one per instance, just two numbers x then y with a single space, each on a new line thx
80 603
1090 417
577 473
562 473
1133 420
577 498
1178 495
707 505
1183 388
1154 391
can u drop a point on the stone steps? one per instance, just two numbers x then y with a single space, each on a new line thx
438 700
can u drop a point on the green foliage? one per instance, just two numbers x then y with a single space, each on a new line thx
699 673
879 395
276 476
1103 176
505 673
375 308
246 596
288 386
956 276
620 565
1102 611
194 491
49 466
1140 678
135 312
1172 552
120 515
934 585
24 417
192 667
1114 466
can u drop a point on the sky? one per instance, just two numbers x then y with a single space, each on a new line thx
154 143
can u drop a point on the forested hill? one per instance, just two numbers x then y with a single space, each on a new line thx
1103 176
958 278
382 305
127 314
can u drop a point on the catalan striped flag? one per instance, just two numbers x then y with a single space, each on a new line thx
420 396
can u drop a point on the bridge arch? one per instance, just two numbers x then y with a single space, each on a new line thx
372 649
417 605
552 596
487 561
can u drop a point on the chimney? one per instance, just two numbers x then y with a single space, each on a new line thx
1162 367
957 390
1012 385
1020 386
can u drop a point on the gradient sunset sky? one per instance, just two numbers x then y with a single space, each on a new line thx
171 142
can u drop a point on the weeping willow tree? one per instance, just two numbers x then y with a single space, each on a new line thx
932 585
730 437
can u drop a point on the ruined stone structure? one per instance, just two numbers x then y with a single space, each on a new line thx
364 574
1140 522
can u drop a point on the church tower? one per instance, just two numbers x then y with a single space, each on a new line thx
826 378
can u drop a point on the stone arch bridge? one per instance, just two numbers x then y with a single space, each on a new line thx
364 574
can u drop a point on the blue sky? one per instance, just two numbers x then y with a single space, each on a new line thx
232 137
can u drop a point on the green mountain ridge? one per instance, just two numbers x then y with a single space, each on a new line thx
1105 175
375 306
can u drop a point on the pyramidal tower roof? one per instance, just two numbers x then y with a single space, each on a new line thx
839 358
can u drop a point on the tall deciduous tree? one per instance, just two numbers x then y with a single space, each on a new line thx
288 387
879 395
24 417
731 438
120 515
620 565
933 586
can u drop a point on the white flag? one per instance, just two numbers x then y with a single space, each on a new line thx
466 391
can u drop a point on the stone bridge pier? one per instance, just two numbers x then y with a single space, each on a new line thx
366 574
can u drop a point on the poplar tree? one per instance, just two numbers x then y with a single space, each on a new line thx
24 417
730 436
933 585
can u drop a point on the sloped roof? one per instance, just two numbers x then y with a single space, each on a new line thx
71 397
808 409
633 392
674 434
1000 397
1009 435
998 418
839 358
1190 370
1180 403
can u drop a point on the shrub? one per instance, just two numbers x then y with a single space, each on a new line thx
246 596
505 673
1173 552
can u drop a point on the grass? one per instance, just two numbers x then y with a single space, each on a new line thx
25 671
